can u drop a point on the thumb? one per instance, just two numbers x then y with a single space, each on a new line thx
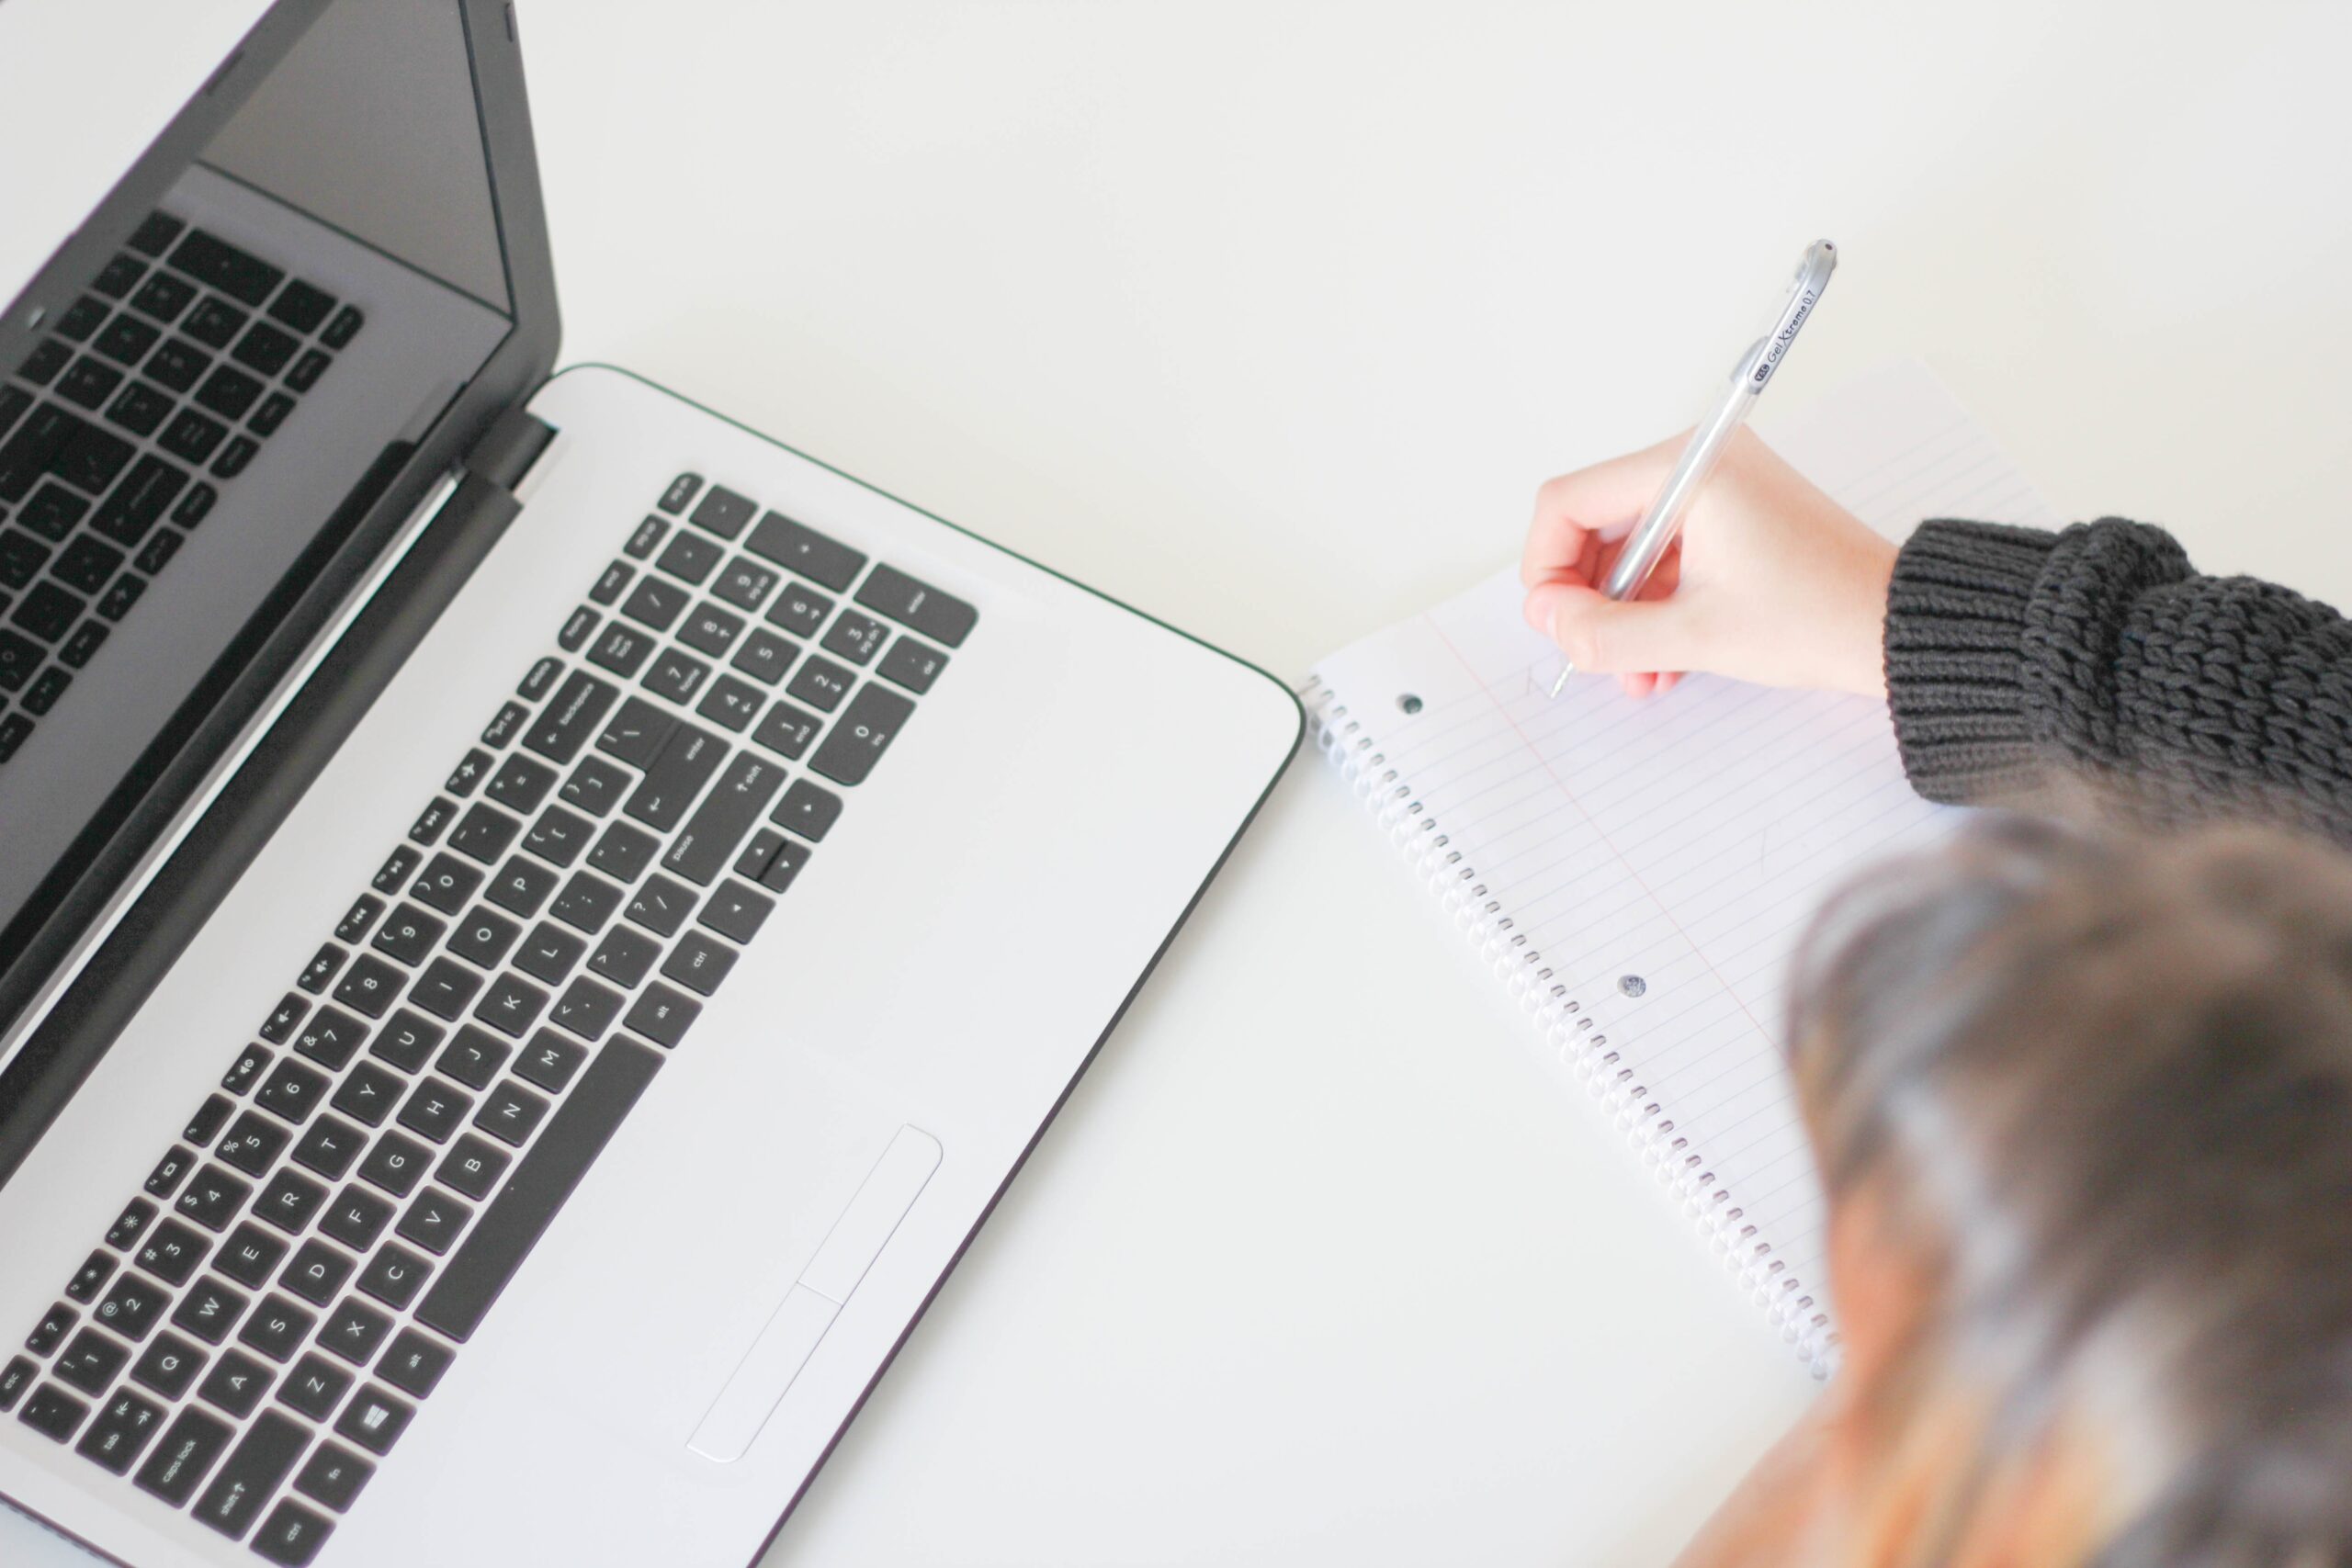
1609 637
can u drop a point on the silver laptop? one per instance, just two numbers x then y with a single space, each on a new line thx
534 921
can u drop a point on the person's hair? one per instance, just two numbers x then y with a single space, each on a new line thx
2101 1085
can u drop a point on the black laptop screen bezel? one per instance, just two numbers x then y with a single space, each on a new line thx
85 889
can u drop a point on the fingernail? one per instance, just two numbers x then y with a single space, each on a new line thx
1543 607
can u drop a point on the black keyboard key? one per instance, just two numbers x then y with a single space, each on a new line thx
264 349
191 436
170 1172
623 853
759 854
159 550
90 384
223 267
662 906
735 911
435 1110
254 1144
210 1311
731 704
808 810
281 1025
648 534
290 1200
368 1094
172 1253
586 1009
511 1005
663 1015
118 276
80 319
415 1363
213 1197
397 869
333 1037
41 366
189 1448
746 583
483 834
53 511
918 607
637 732
119 598
407 1042
255 1468
512 1222
269 414
711 630
549 1061
822 683
332 1144
53 1412
355 1331
483 938
655 603
334 1475
447 883
234 457
626 957
49 612
317 1273
473 1165
585 903
623 649
95 1270
444 988
432 1222
132 1308
799 610
249 1255
802 550
708 842
163 296
687 762
371 986
690 558
509 1113
90 1363
307 370
14 1380
395 1163
139 409
314 1387
722 512
505 725
14 401
699 962
861 734
168 1366
21 559
765 656
538 681
375 1420
615 576
343 328
433 820
559 837
854 637
359 919
125 1425
675 675
50 1331
570 721
19 657
131 1224
126 340
228 392
25 454
355 1218
246 1070
178 365
292 1092
394 1276
292 1534
789 858
155 231
549 954
235 1384
468 774
301 307
596 786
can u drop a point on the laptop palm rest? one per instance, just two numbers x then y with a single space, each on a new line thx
784 1345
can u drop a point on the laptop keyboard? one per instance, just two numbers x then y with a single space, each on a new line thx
257 1330
155 388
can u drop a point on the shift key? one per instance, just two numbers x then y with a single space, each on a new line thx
568 722
688 758
726 819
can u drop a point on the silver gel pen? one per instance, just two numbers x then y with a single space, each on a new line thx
1646 545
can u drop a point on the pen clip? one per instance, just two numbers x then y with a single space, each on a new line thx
1813 268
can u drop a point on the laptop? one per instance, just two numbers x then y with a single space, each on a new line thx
536 921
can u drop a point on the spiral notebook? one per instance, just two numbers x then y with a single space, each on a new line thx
1639 874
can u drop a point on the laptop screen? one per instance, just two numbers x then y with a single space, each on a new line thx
206 416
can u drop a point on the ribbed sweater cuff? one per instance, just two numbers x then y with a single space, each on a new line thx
1955 627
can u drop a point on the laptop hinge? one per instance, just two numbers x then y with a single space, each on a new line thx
507 449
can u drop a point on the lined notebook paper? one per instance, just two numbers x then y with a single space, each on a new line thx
1640 873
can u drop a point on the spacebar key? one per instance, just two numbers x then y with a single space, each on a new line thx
512 1224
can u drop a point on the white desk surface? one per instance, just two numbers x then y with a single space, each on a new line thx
1268 318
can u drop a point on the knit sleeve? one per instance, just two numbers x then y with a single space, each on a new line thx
2023 666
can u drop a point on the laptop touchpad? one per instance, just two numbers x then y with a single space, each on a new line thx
807 1309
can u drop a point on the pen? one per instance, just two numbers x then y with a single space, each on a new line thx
1646 545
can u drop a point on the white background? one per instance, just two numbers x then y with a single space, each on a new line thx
1268 318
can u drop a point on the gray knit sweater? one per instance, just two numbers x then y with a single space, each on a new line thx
2020 662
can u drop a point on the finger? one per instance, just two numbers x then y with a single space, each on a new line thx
1608 637
1571 509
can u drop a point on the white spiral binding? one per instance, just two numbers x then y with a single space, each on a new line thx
1794 1306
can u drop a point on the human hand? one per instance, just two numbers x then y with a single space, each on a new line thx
1771 582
